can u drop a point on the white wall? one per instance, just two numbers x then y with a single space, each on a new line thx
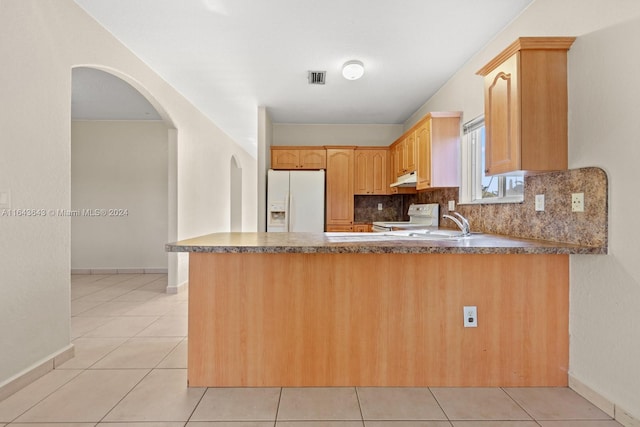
326 134
40 41
604 94
265 140
119 165
604 89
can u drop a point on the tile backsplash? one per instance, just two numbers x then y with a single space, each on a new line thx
556 223
366 208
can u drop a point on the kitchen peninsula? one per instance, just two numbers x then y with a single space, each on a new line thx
361 309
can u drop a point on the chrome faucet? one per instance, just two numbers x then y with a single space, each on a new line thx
462 223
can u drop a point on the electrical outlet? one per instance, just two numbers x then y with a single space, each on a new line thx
379 206
539 202
452 205
577 202
470 313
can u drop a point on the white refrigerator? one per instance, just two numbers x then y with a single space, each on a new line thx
295 201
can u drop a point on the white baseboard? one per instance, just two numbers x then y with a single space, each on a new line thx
104 271
35 371
621 415
119 271
156 271
175 289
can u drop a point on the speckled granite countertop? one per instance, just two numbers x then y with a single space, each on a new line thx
371 243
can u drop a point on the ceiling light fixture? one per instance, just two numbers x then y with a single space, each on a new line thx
353 70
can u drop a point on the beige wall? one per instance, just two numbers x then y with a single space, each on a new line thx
604 88
119 165
40 42
326 134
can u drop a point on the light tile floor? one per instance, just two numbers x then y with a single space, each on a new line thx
130 370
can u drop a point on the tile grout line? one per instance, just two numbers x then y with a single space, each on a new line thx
275 421
359 406
123 397
196 405
45 397
519 405
170 351
440 406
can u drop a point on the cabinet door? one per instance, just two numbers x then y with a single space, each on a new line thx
370 172
393 170
312 159
502 118
362 228
340 228
410 153
445 152
284 159
361 168
340 186
378 170
423 161
402 157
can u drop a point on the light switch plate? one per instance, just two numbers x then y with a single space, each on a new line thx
5 199
540 202
452 205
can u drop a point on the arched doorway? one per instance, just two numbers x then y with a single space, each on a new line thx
125 174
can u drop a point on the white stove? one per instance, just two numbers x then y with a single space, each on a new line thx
421 216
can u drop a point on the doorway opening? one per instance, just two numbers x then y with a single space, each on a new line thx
122 149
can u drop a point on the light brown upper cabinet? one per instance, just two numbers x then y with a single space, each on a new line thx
340 188
525 106
410 154
405 154
371 170
298 158
437 138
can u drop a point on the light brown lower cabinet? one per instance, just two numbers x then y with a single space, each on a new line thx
337 228
304 320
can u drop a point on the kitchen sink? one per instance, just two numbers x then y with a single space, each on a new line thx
441 235
429 235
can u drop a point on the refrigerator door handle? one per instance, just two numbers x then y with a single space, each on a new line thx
290 210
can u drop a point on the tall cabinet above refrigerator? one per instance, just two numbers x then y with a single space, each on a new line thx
295 201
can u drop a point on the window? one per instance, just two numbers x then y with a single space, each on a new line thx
475 186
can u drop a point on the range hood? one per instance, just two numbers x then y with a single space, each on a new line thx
406 180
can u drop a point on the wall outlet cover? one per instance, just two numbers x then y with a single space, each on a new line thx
470 313
577 202
452 205
539 202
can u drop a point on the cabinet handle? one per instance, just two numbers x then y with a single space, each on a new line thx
486 171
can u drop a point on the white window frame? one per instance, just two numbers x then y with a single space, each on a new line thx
472 170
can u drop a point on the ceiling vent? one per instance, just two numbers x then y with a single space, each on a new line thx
317 77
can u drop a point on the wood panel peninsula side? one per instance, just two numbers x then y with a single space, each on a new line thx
324 309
